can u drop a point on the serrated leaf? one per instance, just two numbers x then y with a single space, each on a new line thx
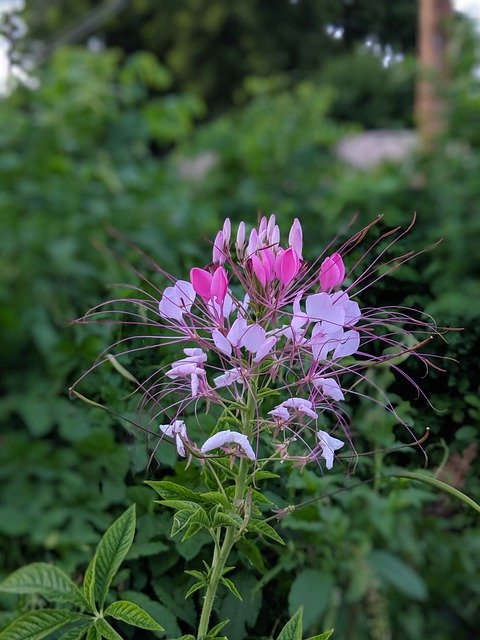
215 497
222 519
260 498
259 526
35 625
180 521
107 631
187 505
89 584
322 636
93 633
172 491
293 629
195 587
214 631
229 584
200 517
192 529
45 579
76 633
265 475
111 551
132 614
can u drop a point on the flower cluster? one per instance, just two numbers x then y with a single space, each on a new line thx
263 324
275 343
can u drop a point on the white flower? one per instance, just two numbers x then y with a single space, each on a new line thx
177 430
222 438
329 445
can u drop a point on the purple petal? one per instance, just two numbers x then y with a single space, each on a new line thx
221 342
329 445
228 378
329 387
347 345
253 338
265 349
222 438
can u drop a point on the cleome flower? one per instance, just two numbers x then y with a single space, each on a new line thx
258 322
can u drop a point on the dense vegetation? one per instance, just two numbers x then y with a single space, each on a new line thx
110 141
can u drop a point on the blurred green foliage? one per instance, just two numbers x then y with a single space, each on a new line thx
107 141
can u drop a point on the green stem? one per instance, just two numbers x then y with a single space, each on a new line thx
220 557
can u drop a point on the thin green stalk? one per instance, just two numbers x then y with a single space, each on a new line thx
220 557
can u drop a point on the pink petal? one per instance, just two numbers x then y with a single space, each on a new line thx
319 307
253 338
265 349
236 332
287 266
227 230
219 285
169 305
221 342
348 344
295 237
329 387
202 282
218 251
258 270
332 272
329 445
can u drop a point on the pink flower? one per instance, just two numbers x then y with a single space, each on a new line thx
332 272
298 406
177 430
222 438
287 266
329 445
190 367
251 336
177 300
329 387
229 377
210 287
295 237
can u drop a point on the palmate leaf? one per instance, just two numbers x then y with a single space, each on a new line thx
36 625
132 614
293 629
111 551
47 580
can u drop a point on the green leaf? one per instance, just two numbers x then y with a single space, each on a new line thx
180 521
293 629
214 631
259 526
187 505
265 475
47 580
322 636
111 551
222 519
132 614
106 630
93 633
310 590
35 625
229 584
89 584
195 587
397 573
215 497
77 633
172 491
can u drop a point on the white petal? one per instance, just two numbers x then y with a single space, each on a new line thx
226 437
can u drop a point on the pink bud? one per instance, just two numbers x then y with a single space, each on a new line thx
258 270
218 251
295 237
332 272
240 239
268 260
219 285
287 266
202 282
227 229
252 242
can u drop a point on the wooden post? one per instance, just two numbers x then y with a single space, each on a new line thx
432 45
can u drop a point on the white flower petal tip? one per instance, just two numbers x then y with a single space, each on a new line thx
329 445
177 430
222 438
